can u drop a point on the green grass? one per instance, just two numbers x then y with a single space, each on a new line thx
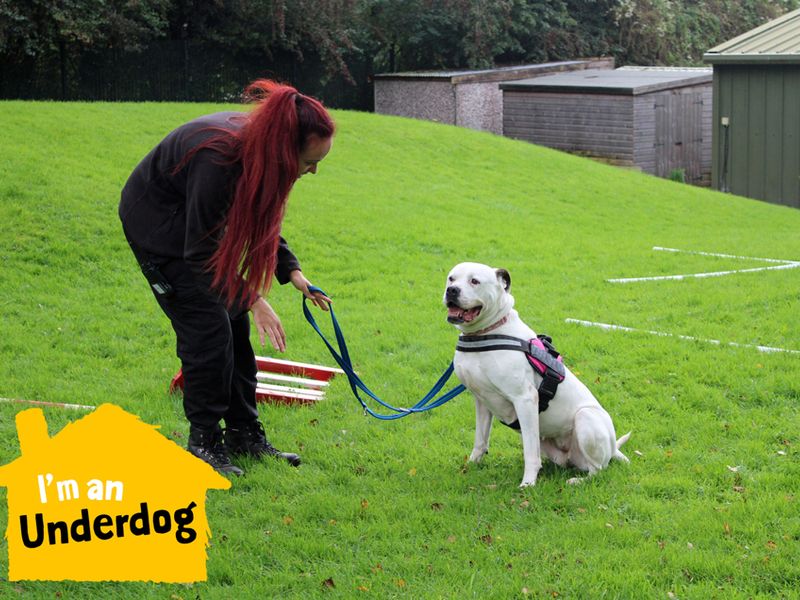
392 509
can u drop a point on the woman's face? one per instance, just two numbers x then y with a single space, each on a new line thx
313 152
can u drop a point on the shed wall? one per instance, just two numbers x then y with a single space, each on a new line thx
596 125
672 131
479 106
430 100
758 154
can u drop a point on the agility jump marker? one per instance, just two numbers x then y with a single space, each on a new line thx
778 264
610 327
284 381
49 404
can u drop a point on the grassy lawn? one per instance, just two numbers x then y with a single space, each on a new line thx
708 507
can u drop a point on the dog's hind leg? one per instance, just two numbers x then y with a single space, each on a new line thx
593 443
554 453
483 428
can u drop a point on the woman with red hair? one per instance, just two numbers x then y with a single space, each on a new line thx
202 213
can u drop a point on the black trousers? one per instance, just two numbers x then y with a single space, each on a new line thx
217 359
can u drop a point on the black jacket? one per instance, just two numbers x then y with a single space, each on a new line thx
179 215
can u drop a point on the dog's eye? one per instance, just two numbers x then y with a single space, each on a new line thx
474 281
451 279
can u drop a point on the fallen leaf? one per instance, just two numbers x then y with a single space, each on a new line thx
412 471
486 539
734 469
637 453
771 545
362 588
451 539
401 583
364 504
287 520
328 583
726 528
436 506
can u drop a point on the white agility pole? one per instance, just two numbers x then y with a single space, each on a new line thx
610 327
49 404
781 264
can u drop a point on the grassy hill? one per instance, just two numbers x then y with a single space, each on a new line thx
708 505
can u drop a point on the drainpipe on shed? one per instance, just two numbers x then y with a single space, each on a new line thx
723 177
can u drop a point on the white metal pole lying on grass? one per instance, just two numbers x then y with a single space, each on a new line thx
50 404
609 327
781 264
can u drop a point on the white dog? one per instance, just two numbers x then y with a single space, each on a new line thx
571 429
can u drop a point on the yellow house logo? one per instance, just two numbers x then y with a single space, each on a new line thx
107 498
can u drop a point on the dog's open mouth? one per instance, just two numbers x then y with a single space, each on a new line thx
456 314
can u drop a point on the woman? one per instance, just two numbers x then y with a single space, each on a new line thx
202 213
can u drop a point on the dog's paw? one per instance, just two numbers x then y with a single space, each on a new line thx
526 483
476 456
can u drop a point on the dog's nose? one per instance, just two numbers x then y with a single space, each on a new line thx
452 292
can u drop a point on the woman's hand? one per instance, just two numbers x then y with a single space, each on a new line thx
301 283
268 324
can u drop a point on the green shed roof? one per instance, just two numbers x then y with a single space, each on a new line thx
775 41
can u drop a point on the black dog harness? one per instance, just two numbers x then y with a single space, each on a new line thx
539 351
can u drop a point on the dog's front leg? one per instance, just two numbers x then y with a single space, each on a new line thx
483 427
528 415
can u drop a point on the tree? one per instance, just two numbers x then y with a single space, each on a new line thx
670 32
33 27
320 28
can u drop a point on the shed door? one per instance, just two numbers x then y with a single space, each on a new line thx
679 134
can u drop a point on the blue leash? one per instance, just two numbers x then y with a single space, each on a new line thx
343 360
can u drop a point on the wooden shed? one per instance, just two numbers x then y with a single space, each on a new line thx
470 98
756 116
652 118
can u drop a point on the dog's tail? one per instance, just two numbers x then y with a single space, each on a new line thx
617 454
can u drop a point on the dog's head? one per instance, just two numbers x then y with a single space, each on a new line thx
477 296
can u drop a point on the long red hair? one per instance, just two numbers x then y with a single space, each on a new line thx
267 147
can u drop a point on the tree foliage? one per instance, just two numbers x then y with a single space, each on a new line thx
35 27
388 35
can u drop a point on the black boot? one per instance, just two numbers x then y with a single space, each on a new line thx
206 444
249 438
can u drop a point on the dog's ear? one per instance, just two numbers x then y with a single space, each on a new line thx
505 278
